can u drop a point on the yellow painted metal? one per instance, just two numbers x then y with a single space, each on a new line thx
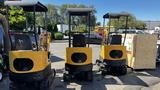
39 58
106 49
102 51
72 50
101 31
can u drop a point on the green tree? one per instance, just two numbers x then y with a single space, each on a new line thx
30 19
16 18
52 29
2 7
140 25
52 14
98 23
55 28
63 13
81 28
49 27
132 23
51 19
40 19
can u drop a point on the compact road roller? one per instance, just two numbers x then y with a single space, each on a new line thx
113 54
78 63
28 66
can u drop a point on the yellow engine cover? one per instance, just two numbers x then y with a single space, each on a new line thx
39 58
70 51
106 49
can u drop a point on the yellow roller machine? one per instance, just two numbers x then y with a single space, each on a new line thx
28 65
113 52
78 63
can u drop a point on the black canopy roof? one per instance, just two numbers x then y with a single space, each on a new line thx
79 11
38 8
28 6
115 15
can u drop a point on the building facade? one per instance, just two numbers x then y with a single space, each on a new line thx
152 25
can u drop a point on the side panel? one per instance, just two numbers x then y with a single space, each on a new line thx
102 51
39 58
109 48
72 50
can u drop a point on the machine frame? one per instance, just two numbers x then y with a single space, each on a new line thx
113 54
83 69
38 70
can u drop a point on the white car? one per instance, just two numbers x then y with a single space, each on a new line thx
94 36
132 31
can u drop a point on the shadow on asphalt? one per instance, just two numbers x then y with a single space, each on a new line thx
156 72
56 59
4 85
75 84
58 84
132 80
100 82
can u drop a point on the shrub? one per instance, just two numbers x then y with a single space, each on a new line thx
55 28
58 36
52 35
50 27
80 29
66 33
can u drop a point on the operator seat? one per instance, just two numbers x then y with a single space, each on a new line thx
21 42
79 40
116 39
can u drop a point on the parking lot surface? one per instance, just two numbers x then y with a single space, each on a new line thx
134 80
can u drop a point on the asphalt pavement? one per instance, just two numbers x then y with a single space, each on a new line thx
134 80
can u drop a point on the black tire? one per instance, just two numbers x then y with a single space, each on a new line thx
16 86
107 70
98 62
89 76
115 71
1 75
123 70
119 71
12 86
66 77
43 85
54 73
46 83
103 73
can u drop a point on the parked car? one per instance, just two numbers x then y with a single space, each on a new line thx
131 31
134 32
94 38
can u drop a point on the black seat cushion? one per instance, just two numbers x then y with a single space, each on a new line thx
79 40
116 39
21 42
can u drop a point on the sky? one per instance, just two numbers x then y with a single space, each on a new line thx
143 9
